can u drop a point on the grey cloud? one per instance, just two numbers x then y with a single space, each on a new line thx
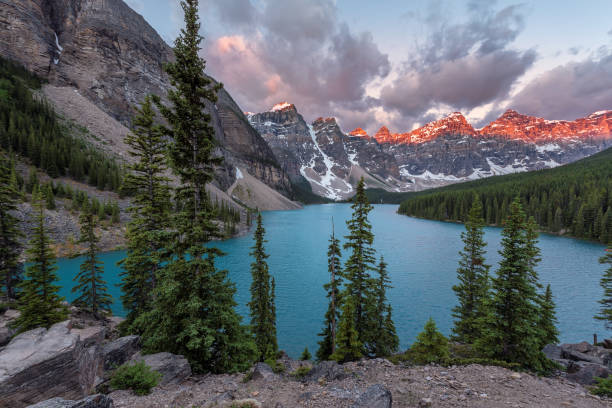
569 91
304 54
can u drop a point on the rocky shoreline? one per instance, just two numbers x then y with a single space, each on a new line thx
66 365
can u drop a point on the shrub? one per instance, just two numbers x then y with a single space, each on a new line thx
137 377
301 372
603 387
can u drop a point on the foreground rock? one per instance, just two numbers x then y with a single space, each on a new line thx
42 364
173 368
583 361
372 384
119 351
94 401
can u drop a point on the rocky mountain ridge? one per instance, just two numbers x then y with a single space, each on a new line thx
106 53
445 151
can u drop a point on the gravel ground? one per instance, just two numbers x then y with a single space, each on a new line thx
434 386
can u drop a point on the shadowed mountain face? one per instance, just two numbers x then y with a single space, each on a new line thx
112 56
445 151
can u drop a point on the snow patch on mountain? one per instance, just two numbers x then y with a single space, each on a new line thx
280 106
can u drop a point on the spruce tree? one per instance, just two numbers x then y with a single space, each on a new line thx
348 346
511 332
10 247
385 341
327 345
473 275
263 311
193 311
357 269
605 311
91 287
147 233
39 302
305 355
547 323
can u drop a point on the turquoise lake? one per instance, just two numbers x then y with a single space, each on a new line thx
422 257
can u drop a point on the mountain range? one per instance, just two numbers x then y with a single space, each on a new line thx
100 58
442 152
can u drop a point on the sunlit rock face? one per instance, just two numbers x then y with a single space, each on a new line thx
109 54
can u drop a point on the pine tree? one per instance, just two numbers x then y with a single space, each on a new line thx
473 275
327 345
91 288
193 311
10 247
510 332
357 269
547 323
385 341
263 312
348 346
305 355
605 312
147 233
431 346
39 302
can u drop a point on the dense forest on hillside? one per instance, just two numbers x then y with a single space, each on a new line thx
30 128
574 199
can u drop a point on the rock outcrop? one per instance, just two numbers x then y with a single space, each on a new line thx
93 401
582 361
41 364
173 368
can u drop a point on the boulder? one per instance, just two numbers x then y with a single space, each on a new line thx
607 343
119 351
578 356
376 396
263 371
584 372
46 363
553 352
6 332
328 370
93 401
173 368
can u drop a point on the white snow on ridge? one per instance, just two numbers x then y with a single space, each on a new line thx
549 147
59 49
239 174
332 185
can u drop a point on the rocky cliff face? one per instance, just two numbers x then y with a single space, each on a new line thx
441 152
111 55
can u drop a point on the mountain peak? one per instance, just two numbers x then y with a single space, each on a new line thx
384 135
282 106
359 132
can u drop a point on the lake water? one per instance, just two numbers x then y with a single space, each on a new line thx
422 257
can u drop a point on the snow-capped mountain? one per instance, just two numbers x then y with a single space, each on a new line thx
445 151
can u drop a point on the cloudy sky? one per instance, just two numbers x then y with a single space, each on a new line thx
403 63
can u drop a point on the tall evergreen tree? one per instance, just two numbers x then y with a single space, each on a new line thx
39 302
327 344
605 311
547 323
91 287
511 333
430 346
385 341
193 310
357 269
10 247
147 233
263 316
473 275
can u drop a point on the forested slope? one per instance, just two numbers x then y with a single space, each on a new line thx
575 199
30 128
